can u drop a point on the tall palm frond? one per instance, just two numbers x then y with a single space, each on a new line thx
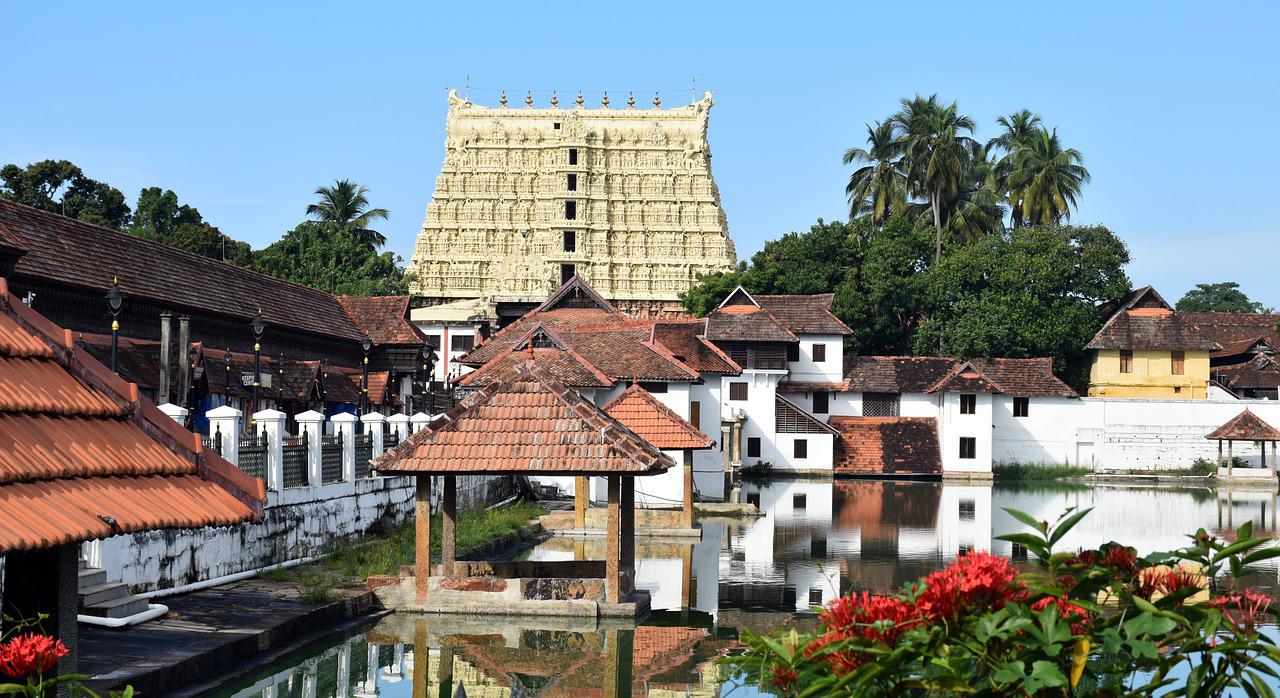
1045 179
877 190
345 205
935 154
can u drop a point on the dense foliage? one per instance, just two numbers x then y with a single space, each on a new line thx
1224 297
1097 622
29 660
337 251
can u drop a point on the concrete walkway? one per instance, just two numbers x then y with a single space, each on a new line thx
207 633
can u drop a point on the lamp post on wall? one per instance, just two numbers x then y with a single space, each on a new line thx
428 364
115 301
259 326
365 345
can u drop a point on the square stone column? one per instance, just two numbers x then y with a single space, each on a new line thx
581 501
224 424
399 425
344 425
272 422
419 420
177 413
422 542
311 423
686 511
613 560
373 426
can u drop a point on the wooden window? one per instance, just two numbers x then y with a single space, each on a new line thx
1178 363
793 352
881 404
462 342
815 596
566 272
968 403
737 391
1126 362
819 353
821 403
695 414
800 449
753 447
1021 406
570 241
1019 552
753 499
572 183
968 510
799 501
968 447
571 210
654 386
573 156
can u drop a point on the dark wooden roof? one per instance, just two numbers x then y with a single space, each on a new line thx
921 374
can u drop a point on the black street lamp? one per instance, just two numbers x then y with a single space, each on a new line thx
259 326
428 364
365 345
115 301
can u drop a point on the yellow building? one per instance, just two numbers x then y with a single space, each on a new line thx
1147 350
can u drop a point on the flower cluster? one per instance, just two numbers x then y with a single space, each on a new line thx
30 654
1244 608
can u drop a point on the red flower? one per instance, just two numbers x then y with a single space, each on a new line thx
1244 608
1165 581
30 654
1121 559
1078 617
1083 558
978 581
784 677
865 616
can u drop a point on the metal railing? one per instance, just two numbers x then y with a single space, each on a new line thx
253 455
294 460
213 441
331 459
364 454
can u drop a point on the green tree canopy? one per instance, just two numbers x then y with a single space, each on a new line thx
61 187
1224 297
320 256
159 216
345 207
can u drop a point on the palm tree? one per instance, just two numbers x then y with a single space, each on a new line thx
877 190
976 210
345 207
1018 128
935 154
1045 179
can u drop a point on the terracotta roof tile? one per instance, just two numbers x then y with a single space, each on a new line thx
920 374
886 445
653 421
76 443
378 386
384 318
1245 426
686 340
567 366
1260 372
965 378
809 314
742 323
527 422
1236 333
1150 328
1025 377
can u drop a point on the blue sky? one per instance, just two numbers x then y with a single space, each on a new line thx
244 108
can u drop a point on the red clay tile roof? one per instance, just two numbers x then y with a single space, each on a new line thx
1025 377
887 445
746 323
77 445
567 366
72 252
1260 372
654 422
527 422
559 320
965 378
384 318
805 314
576 293
1245 426
813 386
687 342
1145 297
920 374
1236 333
378 386
1150 328
790 418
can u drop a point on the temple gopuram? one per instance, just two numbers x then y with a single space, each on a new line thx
529 196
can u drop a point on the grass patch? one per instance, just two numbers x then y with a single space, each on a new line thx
351 562
1038 472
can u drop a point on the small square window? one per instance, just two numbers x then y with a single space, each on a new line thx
819 353
968 403
821 403
462 342
800 449
968 447
818 547
695 414
740 555
799 501
570 241
753 446
793 352
571 210
965 550
572 183
573 156
1021 406
1019 552
815 596
555 125
1126 362
738 391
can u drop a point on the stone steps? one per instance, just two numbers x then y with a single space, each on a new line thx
98 597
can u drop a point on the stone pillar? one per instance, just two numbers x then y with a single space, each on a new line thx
373 426
725 453
184 360
309 680
445 674
613 531
619 658
449 525
686 518
628 530
1273 458
397 662
737 443
686 577
272 422
422 526
344 425
46 581
1231 461
311 423
581 501
1219 454
421 657
371 669
224 422
166 349
419 420
400 425
344 669
176 412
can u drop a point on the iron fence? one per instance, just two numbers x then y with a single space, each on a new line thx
331 459
253 455
214 441
364 454
294 460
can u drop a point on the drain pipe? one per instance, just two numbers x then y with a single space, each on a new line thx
225 579
153 611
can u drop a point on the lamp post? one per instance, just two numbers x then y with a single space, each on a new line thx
365 345
259 326
115 301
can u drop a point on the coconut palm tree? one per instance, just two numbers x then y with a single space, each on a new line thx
1018 128
876 190
935 156
976 210
1045 179
345 207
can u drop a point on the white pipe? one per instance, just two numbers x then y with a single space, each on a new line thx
225 579
153 611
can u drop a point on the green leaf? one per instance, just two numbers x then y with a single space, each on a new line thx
1028 520
1045 675
1067 524
1260 555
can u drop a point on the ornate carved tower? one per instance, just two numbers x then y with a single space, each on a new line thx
528 196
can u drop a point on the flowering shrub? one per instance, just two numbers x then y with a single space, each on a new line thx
26 657
1090 622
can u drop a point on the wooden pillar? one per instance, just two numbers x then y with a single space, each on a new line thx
581 501
687 513
613 531
628 529
619 657
422 554
1219 454
449 519
686 577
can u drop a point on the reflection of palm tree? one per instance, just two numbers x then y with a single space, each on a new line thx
345 207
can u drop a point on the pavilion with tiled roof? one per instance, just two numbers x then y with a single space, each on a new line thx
82 457
524 422
1245 426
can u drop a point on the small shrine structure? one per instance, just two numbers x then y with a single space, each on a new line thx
1246 426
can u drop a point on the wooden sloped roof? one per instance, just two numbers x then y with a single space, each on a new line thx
523 422
83 457
1245 426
